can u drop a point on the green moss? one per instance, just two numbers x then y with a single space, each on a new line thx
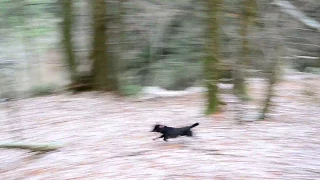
130 90
212 59
212 74
213 101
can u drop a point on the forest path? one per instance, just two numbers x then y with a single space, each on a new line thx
106 137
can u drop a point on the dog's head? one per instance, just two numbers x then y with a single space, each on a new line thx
158 128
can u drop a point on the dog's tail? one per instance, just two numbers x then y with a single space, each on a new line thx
194 125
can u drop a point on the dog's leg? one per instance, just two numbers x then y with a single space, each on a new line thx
189 133
158 137
165 139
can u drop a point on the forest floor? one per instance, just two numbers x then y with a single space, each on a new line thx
108 137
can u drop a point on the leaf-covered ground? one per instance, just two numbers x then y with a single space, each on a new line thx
106 137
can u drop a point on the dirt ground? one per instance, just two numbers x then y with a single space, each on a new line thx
107 137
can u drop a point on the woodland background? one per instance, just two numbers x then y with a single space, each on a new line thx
83 81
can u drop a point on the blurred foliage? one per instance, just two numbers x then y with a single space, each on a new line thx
156 43
40 31
130 90
313 70
177 77
43 89
17 13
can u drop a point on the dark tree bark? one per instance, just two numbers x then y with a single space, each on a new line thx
67 37
102 71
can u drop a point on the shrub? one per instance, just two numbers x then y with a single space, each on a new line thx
43 89
130 90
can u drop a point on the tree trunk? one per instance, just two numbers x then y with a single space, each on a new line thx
67 38
248 13
102 72
272 50
121 27
212 59
272 80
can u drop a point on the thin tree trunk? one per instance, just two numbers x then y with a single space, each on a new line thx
121 27
248 14
67 37
274 46
272 80
239 77
212 59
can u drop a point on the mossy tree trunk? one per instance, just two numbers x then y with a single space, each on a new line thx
212 59
274 68
120 38
67 37
272 80
102 72
248 13
40 148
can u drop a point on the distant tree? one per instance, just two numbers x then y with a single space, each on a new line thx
212 59
102 70
67 25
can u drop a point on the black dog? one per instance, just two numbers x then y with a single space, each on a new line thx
170 132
